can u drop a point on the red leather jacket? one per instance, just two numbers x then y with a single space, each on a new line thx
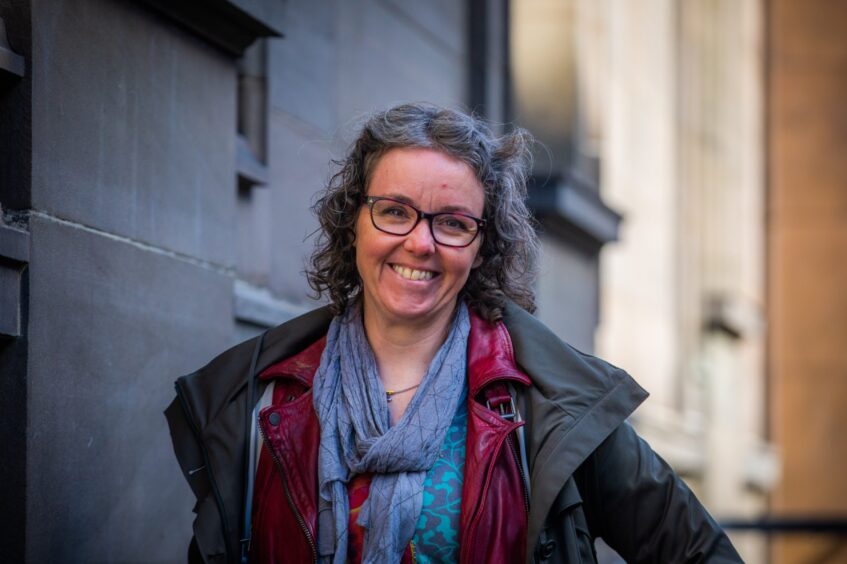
494 502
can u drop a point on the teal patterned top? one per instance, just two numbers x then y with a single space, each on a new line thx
437 535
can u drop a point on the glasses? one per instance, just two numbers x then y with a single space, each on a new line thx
448 228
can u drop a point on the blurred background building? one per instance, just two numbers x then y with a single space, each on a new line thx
157 163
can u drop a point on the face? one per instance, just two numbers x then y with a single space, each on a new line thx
411 278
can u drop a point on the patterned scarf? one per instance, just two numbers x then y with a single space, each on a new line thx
357 437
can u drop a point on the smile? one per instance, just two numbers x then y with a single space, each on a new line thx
412 274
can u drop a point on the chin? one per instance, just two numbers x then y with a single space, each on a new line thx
411 311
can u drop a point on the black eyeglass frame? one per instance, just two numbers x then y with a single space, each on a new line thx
371 200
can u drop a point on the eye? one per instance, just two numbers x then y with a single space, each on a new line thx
390 210
456 223
397 211
394 210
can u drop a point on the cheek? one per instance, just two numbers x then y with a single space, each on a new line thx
464 267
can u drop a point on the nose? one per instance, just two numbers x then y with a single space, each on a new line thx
420 241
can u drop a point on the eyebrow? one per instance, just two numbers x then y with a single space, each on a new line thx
446 209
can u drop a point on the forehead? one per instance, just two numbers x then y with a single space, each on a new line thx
428 178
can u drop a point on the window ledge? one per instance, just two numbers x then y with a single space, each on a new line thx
258 306
250 170
570 209
218 21
14 256
10 62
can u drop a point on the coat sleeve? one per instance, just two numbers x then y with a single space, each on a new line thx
642 509
191 460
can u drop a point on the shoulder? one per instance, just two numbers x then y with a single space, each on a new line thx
636 502
575 381
576 411
576 401
216 384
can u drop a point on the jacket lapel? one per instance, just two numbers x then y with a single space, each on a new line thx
292 430
490 360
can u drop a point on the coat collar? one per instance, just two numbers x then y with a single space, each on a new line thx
575 402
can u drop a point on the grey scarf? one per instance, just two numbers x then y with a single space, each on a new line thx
357 437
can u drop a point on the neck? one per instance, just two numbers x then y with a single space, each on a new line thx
403 351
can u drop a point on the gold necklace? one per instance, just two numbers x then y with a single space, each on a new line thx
389 393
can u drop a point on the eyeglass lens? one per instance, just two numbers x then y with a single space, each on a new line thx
399 219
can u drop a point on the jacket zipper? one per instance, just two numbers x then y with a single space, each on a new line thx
297 515
215 489
513 448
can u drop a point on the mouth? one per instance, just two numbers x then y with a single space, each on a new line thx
413 273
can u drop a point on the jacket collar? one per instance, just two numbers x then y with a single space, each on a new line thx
301 367
575 402
491 358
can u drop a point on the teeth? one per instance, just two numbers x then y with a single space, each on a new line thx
411 274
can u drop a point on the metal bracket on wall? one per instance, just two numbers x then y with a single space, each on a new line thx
14 257
10 62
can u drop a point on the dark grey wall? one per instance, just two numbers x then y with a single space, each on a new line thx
568 289
133 246
112 323
133 123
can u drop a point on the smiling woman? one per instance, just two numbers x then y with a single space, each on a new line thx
411 276
461 144
425 415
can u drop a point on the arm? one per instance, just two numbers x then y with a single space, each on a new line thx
642 509
193 464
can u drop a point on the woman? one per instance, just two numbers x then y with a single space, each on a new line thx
425 415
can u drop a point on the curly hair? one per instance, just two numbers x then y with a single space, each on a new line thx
509 248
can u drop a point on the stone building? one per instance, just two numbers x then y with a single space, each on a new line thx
683 292
719 136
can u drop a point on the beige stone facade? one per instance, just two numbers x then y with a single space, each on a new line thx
680 131
720 128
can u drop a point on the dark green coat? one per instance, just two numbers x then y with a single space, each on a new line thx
590 474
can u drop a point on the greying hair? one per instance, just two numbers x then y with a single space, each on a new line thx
509 248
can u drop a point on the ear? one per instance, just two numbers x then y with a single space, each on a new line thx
477 261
